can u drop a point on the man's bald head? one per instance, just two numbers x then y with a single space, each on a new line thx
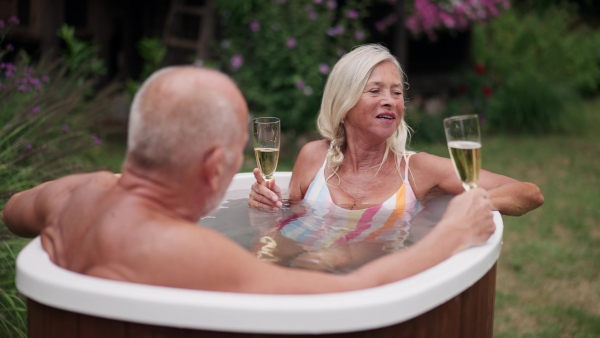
179 113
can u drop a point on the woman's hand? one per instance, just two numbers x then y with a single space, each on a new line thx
470 216
264 195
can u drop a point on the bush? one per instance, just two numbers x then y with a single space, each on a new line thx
540 64
280 52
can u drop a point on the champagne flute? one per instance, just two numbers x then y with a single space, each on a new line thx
464 144
266 131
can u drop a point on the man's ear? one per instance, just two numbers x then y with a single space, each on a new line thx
213 167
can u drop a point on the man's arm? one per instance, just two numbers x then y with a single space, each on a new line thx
27 213
209 261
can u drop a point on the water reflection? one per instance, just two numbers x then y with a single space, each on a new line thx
320 237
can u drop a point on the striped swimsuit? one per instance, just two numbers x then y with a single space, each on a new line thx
326 224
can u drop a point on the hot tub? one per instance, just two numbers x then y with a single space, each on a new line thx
453 299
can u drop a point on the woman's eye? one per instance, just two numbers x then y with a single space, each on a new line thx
398 93
374 91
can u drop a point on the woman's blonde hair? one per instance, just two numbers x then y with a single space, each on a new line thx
343 89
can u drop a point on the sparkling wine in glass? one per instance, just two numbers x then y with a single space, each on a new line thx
266 131
464 144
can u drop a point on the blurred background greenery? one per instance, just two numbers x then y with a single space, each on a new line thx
530 68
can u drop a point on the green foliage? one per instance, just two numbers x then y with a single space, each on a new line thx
12 305
539 64
153 53
280 52
81 56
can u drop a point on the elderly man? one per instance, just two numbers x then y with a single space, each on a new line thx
187 133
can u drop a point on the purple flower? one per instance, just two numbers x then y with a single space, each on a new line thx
35 110
318 2
46 79
65 128
313 16
359 35
237 61
97 140
331 4
291 43
10 47
352 14
324 68
13 20
255 26
21 88
29 146
337 30
300 84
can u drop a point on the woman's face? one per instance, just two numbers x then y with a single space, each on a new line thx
380 109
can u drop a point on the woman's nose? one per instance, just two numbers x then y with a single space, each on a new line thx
387 100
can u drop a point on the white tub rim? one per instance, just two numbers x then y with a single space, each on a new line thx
41 280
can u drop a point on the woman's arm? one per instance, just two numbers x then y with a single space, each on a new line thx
434 176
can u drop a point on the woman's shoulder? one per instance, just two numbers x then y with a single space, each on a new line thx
314 151
427 164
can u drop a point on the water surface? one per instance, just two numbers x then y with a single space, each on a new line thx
318 237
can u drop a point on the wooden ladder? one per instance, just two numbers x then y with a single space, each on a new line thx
206 14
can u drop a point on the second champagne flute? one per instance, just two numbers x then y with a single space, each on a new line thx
464 144
266 131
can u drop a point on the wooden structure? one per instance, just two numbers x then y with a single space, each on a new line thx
205 16
468 315
115 26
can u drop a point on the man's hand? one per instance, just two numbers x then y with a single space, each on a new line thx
470 215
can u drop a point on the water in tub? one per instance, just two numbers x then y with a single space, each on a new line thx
322 237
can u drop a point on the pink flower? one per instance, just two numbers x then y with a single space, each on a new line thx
300 84
332 4
35 110
359 35
318 1
313 16
10 47
97 140
254 26
324 68
352 14
13 20
65 128
291 43
237 61
337 30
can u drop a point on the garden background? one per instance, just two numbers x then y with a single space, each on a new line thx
531 69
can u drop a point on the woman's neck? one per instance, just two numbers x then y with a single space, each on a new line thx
362 157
